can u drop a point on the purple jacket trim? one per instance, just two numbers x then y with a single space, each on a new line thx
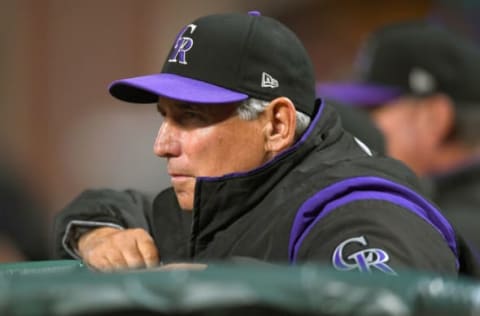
364 188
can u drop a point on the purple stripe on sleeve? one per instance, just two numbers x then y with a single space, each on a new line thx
364 188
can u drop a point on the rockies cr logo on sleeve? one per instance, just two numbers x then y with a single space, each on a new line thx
362 260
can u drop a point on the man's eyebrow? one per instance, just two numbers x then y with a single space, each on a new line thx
188 106
183 106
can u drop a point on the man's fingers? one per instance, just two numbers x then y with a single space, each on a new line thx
148 251
105 259
133 258
101 264
109 250
94 238
117 262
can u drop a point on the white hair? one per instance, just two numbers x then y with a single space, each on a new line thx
251 108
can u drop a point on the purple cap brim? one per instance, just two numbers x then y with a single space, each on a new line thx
358 94
147 89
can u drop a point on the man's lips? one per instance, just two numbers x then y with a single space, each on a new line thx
178 177
178 174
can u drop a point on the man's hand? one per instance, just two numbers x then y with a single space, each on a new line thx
108 249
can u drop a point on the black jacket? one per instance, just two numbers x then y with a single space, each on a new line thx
326 200
457 193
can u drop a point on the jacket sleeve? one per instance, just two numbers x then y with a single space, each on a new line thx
95 208
376 236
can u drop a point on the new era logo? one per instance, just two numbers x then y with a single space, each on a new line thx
268 81
421 81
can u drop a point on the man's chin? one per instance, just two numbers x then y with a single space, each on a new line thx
185 201
186 209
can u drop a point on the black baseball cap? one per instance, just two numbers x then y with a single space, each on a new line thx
411 57
226 58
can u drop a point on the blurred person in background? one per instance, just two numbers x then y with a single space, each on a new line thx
419 81
23 220
23 223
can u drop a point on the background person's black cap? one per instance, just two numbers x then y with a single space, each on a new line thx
227 58
361 125
415 58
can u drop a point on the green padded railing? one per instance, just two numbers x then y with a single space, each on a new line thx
27 268
68 288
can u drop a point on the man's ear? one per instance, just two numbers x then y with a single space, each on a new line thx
279 130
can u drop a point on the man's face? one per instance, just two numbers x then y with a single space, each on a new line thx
404 125
203 140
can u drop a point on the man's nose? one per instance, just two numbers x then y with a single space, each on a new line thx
167 143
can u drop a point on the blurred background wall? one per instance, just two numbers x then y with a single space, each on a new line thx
61 131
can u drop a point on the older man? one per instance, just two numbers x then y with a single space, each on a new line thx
259 169
419 83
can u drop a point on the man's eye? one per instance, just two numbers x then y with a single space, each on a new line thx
191 115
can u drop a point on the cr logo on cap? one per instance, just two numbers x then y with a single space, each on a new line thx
182 45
